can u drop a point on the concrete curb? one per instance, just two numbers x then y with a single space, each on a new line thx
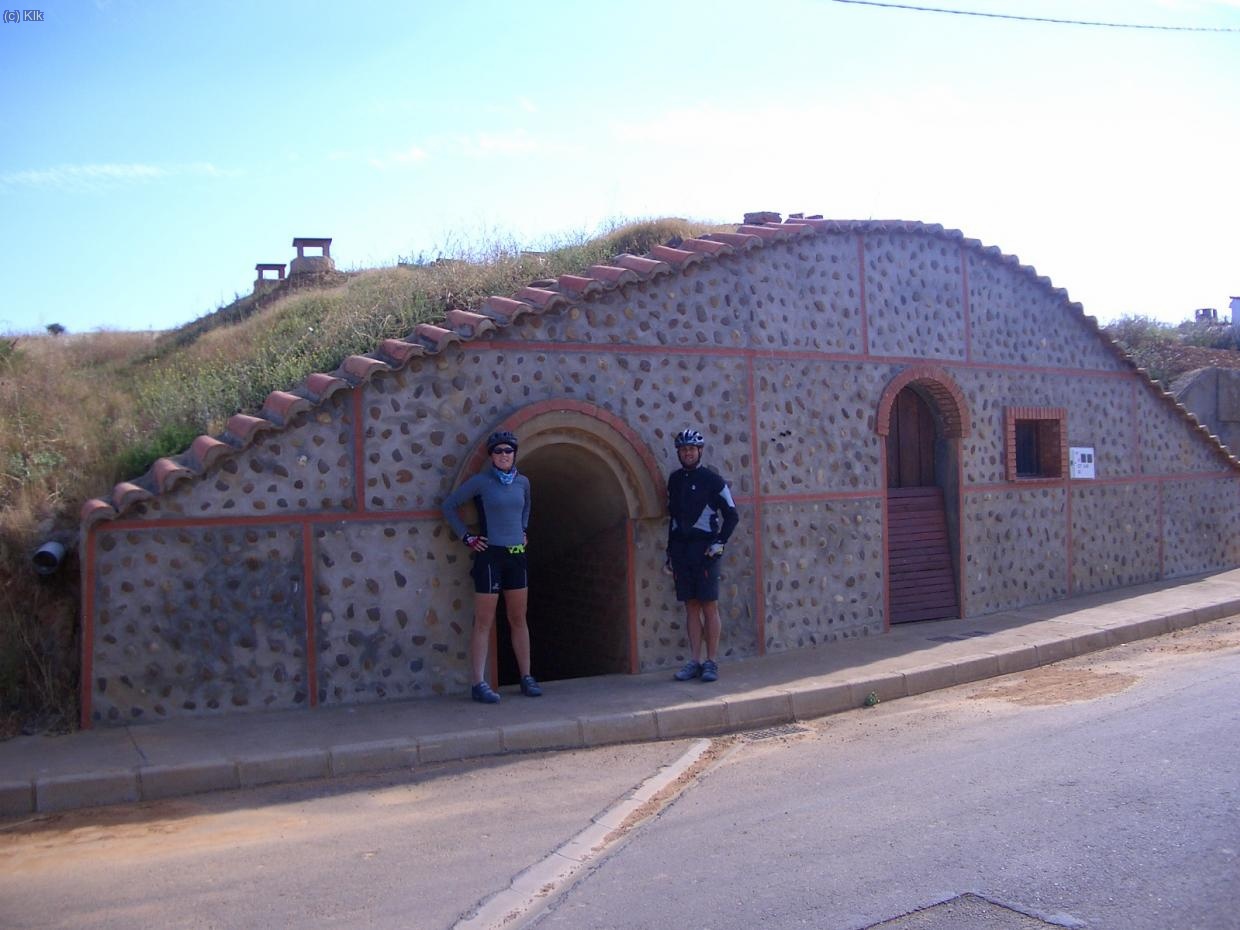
1045 642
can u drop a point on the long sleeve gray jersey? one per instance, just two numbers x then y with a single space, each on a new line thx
503 509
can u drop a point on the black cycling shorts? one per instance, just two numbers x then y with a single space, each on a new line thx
498 568
696 576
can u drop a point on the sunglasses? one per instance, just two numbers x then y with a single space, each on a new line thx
503 450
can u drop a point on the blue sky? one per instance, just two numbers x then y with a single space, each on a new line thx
152 152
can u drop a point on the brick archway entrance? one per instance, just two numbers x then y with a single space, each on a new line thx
922 418
590 477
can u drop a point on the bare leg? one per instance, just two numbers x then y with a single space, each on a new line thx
480 638
515 602
693 626
710 614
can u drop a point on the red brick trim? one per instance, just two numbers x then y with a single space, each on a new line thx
943 391
640 457
1054 463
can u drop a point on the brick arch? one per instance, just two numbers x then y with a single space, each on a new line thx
940 387
587 425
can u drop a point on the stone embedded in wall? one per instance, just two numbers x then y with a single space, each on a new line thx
1201 519
913 296
824 580
393 605
198 620
1017 320
1016 548
816 426
1115 535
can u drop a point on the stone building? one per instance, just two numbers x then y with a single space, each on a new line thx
913 425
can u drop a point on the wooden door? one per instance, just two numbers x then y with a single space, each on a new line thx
919 564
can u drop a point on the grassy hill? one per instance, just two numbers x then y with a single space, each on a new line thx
80 412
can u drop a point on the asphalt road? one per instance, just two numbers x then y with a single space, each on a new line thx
1103 792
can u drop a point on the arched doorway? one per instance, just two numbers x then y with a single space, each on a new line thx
578 563
590 478
922 420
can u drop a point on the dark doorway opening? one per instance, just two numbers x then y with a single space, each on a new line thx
578 568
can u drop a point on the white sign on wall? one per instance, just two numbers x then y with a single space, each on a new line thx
1081 461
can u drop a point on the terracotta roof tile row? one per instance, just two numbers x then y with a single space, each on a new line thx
542 296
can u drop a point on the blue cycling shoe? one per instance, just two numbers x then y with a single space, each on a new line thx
483 694
710 671
529 687
689 671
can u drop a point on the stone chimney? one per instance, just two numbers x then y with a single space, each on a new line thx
311 264
264 283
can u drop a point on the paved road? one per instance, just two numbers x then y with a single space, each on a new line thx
1103 792
363 852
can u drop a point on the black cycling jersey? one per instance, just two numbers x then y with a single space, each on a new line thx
700 505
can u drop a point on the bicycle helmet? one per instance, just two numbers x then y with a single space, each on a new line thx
498 439
689 437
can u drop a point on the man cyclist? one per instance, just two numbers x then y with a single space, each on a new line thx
702 516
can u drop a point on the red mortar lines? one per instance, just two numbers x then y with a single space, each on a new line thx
290 519
1068 536
962 575
359 457
312 650
886 536
865 312
630 580
965 305
808 355
755 474
811 497
1035 484
88 630
1162 493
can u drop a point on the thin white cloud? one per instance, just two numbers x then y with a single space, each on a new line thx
512 143
77 177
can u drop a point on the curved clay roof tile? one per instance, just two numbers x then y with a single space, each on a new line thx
647 268
400 351
541 297
321 386
168 473
435 338
126 494
244 428
470 325
707 246
579 286
505 308
206 450
95 511
612 276
280 407
677 258
738 241
362 368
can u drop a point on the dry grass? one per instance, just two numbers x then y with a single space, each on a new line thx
80 412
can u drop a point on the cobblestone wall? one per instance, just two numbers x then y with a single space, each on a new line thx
1116 535
1016 548
197 598
824 575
